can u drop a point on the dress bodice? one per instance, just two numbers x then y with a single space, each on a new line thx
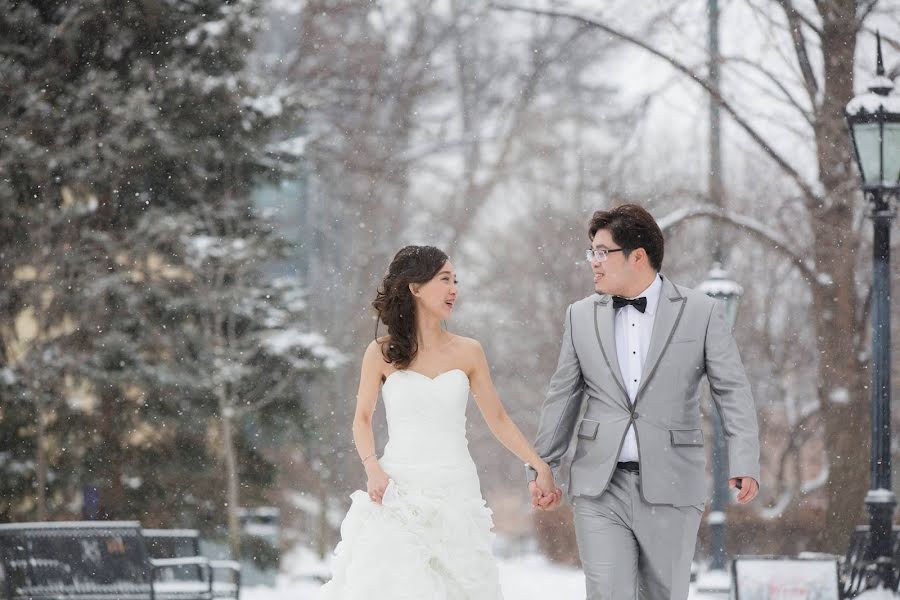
426 420
425 414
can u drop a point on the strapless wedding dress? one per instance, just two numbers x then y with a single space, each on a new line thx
431 538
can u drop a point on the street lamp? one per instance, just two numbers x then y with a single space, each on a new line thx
874 122
718 286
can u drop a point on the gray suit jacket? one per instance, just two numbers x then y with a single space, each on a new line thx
690 338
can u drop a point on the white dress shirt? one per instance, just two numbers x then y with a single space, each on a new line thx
633 329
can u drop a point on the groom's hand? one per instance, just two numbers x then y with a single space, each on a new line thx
749 488
544 500
551 501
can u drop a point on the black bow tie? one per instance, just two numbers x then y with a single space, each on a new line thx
638 303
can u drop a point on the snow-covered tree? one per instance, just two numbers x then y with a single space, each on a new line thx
120 121
253 354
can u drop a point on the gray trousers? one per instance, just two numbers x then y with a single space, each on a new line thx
631 549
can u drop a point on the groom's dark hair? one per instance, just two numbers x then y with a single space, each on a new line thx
631 227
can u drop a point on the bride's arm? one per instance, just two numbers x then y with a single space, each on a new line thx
363 436
498 420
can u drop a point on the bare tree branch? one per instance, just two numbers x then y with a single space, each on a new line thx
796 31
863 12
678 65
463 218
797 436
776 81
763 12
272 395
773 27
809 23
757 229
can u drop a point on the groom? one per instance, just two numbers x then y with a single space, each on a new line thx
632 357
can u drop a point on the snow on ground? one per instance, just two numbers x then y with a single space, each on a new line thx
879 594
526 578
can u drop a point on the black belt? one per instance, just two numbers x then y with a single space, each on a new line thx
632 465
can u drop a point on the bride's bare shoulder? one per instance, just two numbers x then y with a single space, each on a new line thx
374 354
471 355
469 346
377 344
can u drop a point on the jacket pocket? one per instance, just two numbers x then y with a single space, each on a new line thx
686 437
588 430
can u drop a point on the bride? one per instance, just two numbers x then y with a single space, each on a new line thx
422 530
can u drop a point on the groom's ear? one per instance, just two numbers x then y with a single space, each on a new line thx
639 255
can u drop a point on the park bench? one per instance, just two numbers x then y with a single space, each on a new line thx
93 560
185 543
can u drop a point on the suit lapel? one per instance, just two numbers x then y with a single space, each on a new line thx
668 313
606 337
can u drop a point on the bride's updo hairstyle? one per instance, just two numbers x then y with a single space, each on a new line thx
395 304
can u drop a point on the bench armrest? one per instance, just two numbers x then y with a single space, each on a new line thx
234 567
157 564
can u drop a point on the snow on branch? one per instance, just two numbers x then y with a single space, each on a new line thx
787 495
291 341
782 504
818 482
799 434
757 229
294 147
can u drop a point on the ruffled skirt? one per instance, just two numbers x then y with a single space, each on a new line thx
424 544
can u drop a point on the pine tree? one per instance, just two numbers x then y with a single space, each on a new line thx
122 121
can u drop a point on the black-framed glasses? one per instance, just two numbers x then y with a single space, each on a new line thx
600 255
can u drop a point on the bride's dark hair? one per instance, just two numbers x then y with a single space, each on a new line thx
395 304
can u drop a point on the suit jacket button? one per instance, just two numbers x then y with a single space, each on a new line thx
634 416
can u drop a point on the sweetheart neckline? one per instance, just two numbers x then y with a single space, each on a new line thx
432 379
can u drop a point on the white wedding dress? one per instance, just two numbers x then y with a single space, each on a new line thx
431 538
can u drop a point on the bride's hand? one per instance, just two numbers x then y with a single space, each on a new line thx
550 495
377 481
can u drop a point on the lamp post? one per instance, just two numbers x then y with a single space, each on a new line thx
874 122
718 286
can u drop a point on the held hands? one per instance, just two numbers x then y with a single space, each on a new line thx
377 481
748 487
544 493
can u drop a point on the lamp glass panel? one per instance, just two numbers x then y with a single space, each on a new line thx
868 144
891 154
